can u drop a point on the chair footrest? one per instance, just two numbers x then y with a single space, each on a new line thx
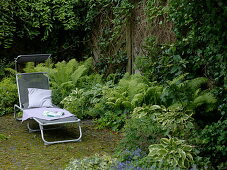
71 119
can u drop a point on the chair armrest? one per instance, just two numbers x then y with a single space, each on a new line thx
15 114
18 107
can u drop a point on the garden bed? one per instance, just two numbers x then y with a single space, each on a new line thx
24 150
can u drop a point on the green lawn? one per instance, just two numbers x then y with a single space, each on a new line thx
24 150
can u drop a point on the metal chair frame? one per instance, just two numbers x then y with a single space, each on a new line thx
42 123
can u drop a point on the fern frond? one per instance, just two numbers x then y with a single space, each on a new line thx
137 99
87 63
71 66
42 68
196 83
78 73
133 84
64 70
10 70
29 67
178 79
206 98
60 76
153 94
67 84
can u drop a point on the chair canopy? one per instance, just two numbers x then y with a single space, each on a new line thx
36 58
30 80
32 58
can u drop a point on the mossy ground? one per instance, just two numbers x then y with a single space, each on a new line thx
24 150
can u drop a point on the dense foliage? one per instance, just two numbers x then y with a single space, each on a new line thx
148 112
214 141
65 29
172 114
41 23
199 49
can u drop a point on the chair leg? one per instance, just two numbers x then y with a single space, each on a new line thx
62 141
30 129
37 130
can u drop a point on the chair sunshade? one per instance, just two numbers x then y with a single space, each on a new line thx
32 58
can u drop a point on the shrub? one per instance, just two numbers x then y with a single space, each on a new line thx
86 102
76 102
114 120
214 142
65 76
4 67
140 132
119 101
8 95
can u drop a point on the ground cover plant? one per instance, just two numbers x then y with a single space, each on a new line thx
2 137
93 162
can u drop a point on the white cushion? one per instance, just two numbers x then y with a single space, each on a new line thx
39 98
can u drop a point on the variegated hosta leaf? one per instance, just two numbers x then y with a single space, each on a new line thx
172 152
165 141
155 107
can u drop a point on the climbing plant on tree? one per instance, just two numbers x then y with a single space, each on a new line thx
108 37
65 27
50 26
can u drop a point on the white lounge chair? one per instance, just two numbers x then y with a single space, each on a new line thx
35 100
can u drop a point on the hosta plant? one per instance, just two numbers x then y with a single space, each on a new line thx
171 153
75 102
175 120
102 162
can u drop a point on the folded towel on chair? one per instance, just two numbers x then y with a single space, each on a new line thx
52 113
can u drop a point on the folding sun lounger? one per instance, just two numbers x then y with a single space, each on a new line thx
35 100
